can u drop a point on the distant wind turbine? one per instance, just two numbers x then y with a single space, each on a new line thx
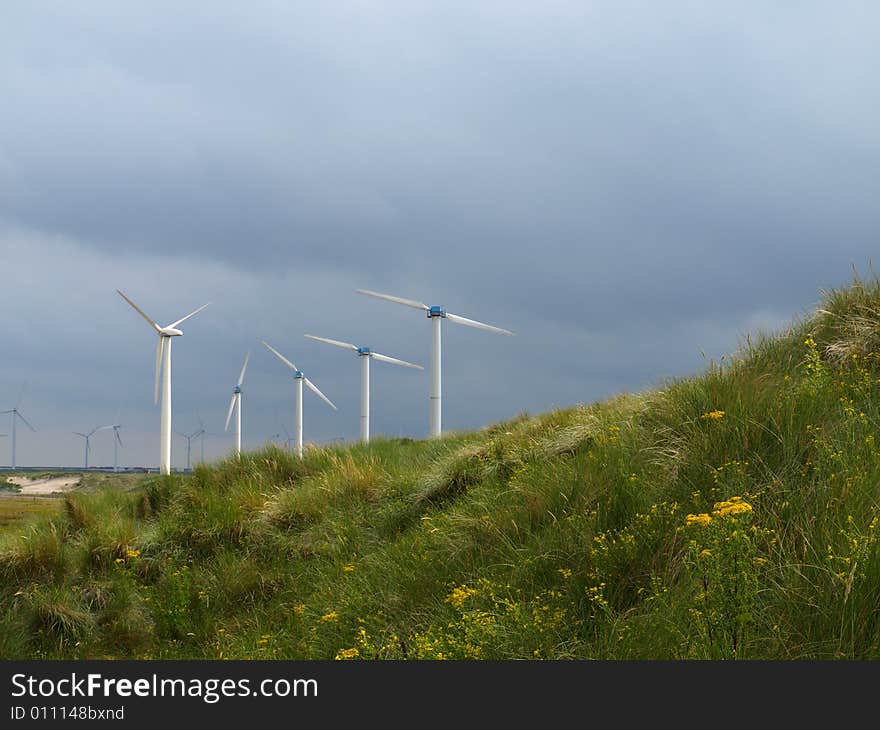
117 442
437 314
300 379
366 354
189 437
16 414
87 437
235 404
163 365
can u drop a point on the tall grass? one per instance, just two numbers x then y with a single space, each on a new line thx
728 515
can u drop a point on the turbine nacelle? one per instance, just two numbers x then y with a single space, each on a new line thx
170 332
436 311
298 374
364 351
236 389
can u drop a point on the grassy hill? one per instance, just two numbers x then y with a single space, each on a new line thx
732 514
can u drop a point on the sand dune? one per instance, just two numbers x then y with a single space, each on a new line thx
50 485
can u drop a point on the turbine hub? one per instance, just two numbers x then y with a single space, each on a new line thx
363 351
170 332
236 389
298 374
436 311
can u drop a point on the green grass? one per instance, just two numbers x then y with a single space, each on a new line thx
733 514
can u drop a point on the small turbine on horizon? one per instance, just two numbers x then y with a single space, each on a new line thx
366 354
189 437
163 366
436 314
300 379
16 414
235 404
117 442
87 437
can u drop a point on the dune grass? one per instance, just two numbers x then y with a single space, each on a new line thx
729 515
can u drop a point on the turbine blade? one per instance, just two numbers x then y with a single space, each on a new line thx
314 389
229 415
160 350
243 368
27 423
395 361
281 357
191 314
139 311
345 345
479 325
118 437
399 300
80 434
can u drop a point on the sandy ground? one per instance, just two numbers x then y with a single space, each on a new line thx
52 485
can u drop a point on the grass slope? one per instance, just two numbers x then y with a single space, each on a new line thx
729 515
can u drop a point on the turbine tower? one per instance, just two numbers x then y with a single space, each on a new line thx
16 414
87 437
436 314
117 442
366 354
300 379
163 365
235 404
189 438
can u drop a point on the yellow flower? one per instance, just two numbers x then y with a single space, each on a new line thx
459 595
713 415
352 653
327 617
348 568
119 560
299 609
133 553
565 572
733 506
701 519
706 554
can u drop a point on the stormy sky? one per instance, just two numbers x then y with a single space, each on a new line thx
629 186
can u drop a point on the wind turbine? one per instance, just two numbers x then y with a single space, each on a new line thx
235 403
117 442
365 354
288 439
87 437
163 364
16 414
300 379
189 438
436 314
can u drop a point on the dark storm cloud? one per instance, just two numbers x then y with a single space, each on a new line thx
625 184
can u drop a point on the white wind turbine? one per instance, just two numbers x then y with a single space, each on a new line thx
163 365
437 314
365 354
235 403
87 437
16 414
117 442
300 379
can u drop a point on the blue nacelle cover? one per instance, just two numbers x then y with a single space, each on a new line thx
436 311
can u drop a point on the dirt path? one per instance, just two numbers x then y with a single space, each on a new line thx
49 485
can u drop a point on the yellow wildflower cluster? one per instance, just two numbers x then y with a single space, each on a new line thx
733 506
328 617
132 553
701 519
352 653
713 416
347 568
459 595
